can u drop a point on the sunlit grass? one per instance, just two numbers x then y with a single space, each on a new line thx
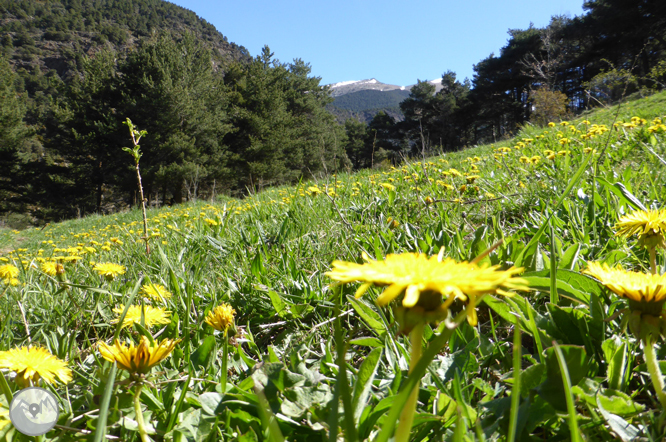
266 256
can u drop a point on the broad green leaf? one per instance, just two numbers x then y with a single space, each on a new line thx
370 316
280 306
542 284
531 377
615 352
569 260
552 389
367 341
479 245
626 431
364 378
203 354
613 401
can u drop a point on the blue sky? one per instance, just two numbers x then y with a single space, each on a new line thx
396 42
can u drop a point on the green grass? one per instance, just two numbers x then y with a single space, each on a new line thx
266 255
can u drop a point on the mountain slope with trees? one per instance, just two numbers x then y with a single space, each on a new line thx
218 120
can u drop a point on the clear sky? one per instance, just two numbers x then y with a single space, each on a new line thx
396 42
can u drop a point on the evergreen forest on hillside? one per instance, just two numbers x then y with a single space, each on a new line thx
223 122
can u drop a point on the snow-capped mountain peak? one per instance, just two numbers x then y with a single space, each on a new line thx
347 87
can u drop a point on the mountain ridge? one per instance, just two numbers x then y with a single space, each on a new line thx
347 87
363 99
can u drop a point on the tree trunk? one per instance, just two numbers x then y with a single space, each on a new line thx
178 191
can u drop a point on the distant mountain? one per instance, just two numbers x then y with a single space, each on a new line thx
365 98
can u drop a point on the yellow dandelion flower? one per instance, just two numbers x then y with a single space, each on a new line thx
314 190
646 294
109 270
425 281
650 225
34 363
551 124
155 291
471 178
221 317
388 186
53 268
152 315
639 287
137 359
8 271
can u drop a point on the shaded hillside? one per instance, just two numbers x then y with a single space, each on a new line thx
38 37
365 104
364 116
370 99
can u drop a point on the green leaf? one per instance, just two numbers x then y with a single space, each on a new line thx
143 332
210 401
623 193
280 306
479 245
100 431
542 284
364 378
569 260
614 401
622 428
367 341
257 266
370 316
203 355
615 352
391 197
531 377
552 389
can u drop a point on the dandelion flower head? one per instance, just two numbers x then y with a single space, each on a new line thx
155 291
426 281
152 315
109 270
34 363
8 272
650 225
221 317
140 358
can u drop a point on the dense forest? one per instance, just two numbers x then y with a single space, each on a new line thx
221 121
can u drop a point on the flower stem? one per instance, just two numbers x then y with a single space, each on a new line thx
653 260
407 415
653 368
139 414
225 356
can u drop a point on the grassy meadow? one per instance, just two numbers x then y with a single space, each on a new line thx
303 359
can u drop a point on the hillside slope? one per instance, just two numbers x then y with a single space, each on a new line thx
286 332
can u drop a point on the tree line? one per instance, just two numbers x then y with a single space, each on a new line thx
615 49
255 124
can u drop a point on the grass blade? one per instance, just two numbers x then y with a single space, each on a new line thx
515 391
571 408
100 432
